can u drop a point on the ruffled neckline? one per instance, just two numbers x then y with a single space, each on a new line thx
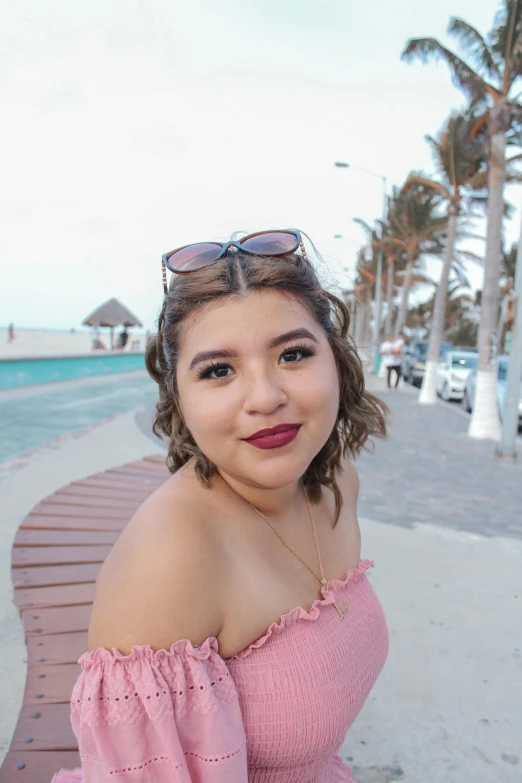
299 613
184 647
144 652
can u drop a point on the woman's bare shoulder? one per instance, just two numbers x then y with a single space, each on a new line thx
163 579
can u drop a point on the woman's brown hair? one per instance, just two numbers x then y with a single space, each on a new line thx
360 415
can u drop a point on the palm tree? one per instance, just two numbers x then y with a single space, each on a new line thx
415 227
375 240
461 314
495 63
507 304
358 298
460 161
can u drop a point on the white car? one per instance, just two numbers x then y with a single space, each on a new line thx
452 374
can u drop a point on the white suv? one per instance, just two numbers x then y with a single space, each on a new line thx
452 374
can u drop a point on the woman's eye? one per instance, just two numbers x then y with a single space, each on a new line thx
291 356
215 371
296 355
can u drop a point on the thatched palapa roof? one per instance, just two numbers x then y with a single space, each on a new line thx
112 313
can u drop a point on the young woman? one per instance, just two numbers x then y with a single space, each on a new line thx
234 635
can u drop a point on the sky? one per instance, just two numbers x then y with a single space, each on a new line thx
131 127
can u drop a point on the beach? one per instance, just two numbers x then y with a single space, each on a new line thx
38 343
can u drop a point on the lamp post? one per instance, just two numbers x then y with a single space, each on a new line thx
378 282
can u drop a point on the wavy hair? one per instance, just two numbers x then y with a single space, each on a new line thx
360 414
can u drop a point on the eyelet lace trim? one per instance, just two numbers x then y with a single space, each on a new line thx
160 759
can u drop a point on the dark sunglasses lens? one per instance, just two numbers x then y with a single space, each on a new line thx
193 257
273 243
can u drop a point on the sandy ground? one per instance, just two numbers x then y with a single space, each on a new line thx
446 708
38 343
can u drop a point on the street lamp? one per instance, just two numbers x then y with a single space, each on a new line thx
340 164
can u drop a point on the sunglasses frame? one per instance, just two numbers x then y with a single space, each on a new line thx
225 247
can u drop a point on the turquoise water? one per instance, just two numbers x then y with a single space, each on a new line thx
23 372
29 420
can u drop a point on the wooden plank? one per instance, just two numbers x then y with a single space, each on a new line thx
58 595
146 473
144 465
159 458
128 477
52 730
38 766
131 484
56 648
32 521
56 619
29 537
25 557
134 495
50 684
62 499
86 512
55 575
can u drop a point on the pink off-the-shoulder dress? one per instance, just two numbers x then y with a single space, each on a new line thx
277 712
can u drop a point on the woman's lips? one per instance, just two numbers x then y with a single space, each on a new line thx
274 438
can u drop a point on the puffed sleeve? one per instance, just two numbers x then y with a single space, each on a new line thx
157 717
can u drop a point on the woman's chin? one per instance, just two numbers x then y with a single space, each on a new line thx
270 475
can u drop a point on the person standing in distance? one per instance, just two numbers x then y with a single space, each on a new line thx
391 352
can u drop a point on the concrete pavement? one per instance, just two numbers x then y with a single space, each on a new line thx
448 554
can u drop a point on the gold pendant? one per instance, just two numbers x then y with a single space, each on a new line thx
342 612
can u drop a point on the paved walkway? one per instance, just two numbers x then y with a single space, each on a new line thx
430 471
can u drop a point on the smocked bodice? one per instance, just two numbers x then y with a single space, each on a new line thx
277 712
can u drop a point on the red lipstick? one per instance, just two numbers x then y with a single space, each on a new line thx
275 437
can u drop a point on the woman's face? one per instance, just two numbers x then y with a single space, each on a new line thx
253 363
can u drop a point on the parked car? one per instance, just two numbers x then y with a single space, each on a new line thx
414 357
471 385
452 373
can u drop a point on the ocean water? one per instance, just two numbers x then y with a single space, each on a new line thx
31 417
23 372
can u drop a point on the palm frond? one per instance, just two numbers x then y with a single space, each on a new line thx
461 276
372 233
505 40
471 256
473 44
416 179
463 76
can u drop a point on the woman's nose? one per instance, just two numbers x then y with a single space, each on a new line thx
264 393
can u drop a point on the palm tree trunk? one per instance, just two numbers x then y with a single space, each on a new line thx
406 285
389 293
485 420
359 323
428 395
499 340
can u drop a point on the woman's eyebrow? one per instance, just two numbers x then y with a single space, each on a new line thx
205 356
294 334
226 353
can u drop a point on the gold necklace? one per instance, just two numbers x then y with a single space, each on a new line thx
320 577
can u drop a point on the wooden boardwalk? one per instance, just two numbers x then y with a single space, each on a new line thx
57 554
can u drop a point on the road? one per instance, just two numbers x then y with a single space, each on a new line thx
430 471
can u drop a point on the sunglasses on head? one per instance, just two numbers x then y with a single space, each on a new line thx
190 258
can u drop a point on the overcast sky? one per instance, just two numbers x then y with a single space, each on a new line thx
131 127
